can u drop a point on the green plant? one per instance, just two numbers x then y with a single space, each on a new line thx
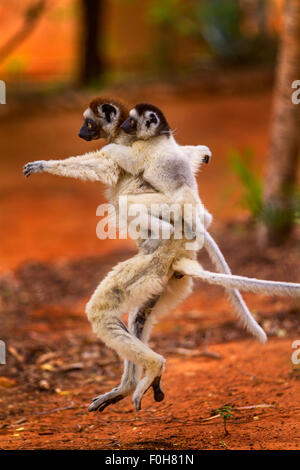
252 197
219 24
168 16
165 13
226 412
242 166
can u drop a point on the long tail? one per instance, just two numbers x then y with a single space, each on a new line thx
243 313
230 281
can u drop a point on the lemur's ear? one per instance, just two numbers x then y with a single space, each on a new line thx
108 110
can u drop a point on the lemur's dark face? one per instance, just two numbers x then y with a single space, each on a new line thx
90 129
146 121
102 119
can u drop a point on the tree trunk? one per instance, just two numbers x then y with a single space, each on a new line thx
91 64
284 144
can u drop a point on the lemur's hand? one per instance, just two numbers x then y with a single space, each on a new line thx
206 153
189 232
33 167
150 245
110 151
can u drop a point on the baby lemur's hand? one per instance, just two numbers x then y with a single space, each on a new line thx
150 245
33 167
206 153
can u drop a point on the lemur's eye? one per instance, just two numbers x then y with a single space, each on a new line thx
132 122
89 125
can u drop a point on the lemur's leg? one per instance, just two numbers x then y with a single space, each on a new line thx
151 229
136 324
132 372
88 167
128 285
140 323
175 292
178 289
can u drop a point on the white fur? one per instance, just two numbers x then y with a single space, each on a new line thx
196 155
129 285
88 167
89 114
192 268
146 275
163 165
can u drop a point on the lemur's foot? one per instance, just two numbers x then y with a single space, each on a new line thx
33 167
102 401
142 389
157 391
137 403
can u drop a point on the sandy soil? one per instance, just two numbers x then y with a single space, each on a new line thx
51 261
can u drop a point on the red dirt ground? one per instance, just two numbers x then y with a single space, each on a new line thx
51 261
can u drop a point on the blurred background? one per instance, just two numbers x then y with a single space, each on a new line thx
69 41
222 71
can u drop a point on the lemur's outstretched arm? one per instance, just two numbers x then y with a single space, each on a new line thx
95 166
88 167
99 166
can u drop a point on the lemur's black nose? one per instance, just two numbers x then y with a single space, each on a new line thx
206 159
84 133
84 136
129 126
